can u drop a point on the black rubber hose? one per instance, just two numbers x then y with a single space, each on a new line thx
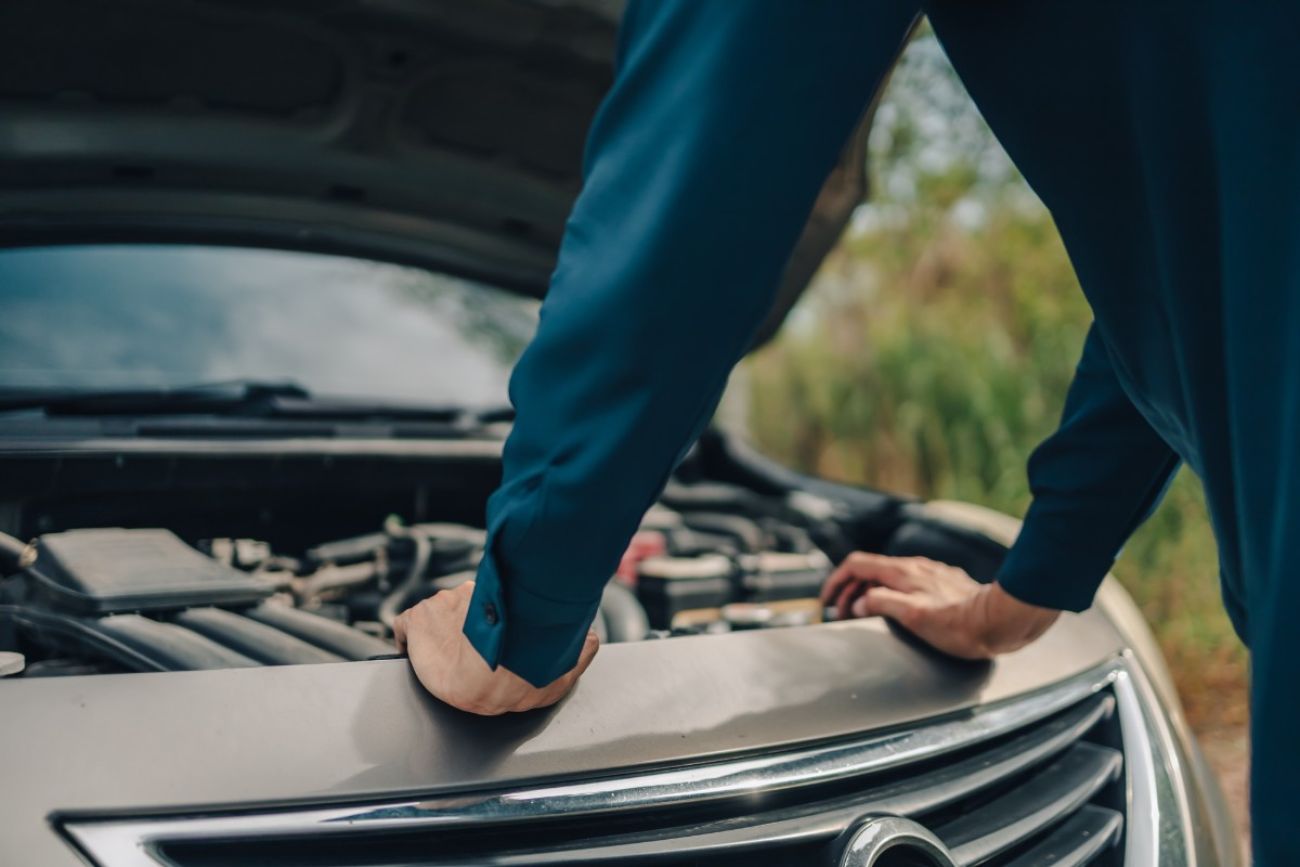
624 618
395 601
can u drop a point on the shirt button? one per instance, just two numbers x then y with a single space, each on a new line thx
490 614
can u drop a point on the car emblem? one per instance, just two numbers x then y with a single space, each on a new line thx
865 842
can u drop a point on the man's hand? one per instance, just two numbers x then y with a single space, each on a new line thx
940 604
431 634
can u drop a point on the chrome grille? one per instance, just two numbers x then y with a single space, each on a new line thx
1032 782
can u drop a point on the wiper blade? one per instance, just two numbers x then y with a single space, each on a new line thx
245 398
209 397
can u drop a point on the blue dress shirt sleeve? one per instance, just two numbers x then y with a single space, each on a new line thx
1094 481
724 120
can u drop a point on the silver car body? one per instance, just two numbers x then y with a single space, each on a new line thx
341 159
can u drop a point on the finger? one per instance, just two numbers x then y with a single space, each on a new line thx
845 573
887 602
399 632
851 592
893 572
588 653
834 584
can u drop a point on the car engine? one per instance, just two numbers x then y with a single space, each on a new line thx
709 557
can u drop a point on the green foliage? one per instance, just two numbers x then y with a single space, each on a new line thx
933 356
935 347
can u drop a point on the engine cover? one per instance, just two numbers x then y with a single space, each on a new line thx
109 571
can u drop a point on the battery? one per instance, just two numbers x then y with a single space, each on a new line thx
668 585
774 575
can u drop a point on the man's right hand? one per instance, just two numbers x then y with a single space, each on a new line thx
938 603
432 634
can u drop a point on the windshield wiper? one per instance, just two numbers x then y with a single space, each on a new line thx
244 398
198 398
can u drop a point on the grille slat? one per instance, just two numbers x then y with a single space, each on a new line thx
1051 795
1079 841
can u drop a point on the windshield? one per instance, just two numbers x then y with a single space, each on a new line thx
111 317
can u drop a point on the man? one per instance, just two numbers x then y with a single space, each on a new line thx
1165 138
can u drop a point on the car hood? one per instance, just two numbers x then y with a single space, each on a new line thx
432 132
354 732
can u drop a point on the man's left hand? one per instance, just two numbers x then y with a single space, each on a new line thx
940 604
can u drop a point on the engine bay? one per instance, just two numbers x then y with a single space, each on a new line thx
94 600
734 543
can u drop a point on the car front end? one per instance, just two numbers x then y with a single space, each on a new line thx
265 270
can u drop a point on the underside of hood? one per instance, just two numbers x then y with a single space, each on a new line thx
440 133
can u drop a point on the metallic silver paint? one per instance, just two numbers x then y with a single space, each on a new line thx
127 843
293 736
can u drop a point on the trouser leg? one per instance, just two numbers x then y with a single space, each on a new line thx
1257 121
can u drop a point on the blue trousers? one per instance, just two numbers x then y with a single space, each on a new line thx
1165 139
